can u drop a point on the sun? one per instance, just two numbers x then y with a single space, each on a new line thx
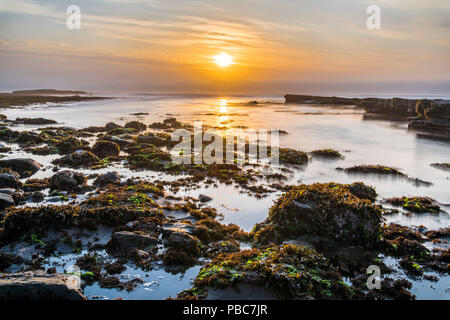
223 60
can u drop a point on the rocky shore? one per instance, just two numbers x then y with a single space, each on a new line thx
316 243
429 115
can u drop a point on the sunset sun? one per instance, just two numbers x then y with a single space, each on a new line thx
223 60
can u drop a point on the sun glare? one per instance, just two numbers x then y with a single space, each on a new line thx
223 60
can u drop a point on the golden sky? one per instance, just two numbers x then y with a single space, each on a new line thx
168 45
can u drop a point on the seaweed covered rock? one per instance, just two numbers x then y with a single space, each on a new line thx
291 156
6 134
111 126
39 285
34 121
123 242
107 178
77 159
28 137
432 116
38 220
416 204
137 125
69 145
24 167
159 139
68 180
290 271
8 180
327 153
104 149
179 239
374 169
363 191
329 212
442 166
151 158
6 201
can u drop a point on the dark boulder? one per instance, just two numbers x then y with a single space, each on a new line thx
124 242
107 178
69 145
6 134
111 126
180 239
77 159
29 137
137 125
8 180
34 121
6 201
204 198
24 167
104 149
39 285
68 180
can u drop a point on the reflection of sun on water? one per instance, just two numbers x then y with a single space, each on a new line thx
223 105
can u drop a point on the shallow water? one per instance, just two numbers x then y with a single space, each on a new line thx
309 128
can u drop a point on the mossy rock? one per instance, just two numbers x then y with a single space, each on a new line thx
442 166
290 271
327 153
416 204
329 212
291 156
375 169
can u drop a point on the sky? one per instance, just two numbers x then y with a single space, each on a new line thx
283 46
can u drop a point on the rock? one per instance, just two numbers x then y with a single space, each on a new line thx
25 167
329 212
111 125
34 121
7 134
77 159
9 180
4 148
3 117
107 178
291 156
120 141
433 116
179 239
305 99
362 191
392 106
6 201
39 285
9 191
68 180
204 198
428 109
137 125
433 125
123 242
103 149
37 196
27 137
69 145
150 138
